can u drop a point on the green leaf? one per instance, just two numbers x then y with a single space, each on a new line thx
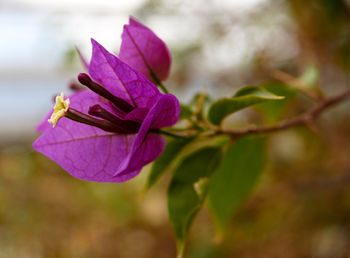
163 162
309 83
245 97
310 77
198 96
199 103
234 180
183 200
201 187
273 110
175 152
186 112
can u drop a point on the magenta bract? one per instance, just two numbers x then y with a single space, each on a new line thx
90 153
144 51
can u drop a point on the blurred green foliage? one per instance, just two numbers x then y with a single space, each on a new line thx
245 97
184 198
235 178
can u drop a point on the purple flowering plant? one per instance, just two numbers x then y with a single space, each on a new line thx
108 130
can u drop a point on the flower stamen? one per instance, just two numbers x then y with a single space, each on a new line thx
127 126
60 108
121 104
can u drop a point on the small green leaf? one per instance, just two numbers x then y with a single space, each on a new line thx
183 200
242 164
199 103
198 96
174 153
245 97
309 83
273 110
163 162
310 77
186 112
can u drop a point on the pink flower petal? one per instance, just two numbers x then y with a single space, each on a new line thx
86 152
120 79
148 146
144 51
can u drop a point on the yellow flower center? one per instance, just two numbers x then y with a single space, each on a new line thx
60 108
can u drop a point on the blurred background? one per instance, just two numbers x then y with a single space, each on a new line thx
301 208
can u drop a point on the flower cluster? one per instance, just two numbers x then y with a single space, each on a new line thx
109 131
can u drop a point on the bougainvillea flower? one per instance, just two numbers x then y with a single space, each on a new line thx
144 51
108 133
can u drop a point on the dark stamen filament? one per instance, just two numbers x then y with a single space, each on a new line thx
86 119
95 87
127 125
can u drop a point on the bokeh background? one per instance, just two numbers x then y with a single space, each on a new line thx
301 207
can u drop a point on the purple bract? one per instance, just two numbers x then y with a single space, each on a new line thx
145 52
108 133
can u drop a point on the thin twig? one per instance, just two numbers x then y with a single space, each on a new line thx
303 119
296 83
162 87
177 136
158 82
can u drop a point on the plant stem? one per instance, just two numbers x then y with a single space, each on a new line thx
162 87
306 118
296 83
169 134
158 82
